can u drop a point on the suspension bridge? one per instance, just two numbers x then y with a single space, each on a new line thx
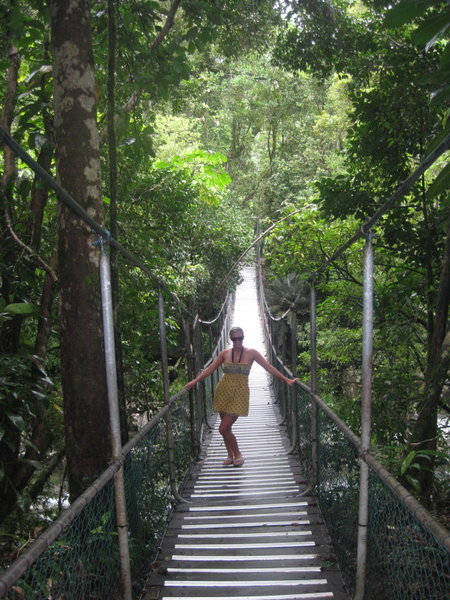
249 531
310 514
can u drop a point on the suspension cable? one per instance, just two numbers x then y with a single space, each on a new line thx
247 250
65 197
400 191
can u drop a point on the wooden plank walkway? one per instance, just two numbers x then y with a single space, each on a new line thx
247 532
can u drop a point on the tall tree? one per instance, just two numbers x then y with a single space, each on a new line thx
394 127
78 172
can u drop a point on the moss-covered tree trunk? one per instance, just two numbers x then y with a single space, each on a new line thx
78 171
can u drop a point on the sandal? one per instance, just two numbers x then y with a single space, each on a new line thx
228 461
238 462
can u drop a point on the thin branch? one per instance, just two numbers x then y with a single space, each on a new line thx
47 268
170 21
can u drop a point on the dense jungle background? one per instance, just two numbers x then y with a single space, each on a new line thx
186 127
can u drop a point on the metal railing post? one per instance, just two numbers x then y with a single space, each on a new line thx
191 373
313 338
199 409
293 391
168 416
366 409
113 399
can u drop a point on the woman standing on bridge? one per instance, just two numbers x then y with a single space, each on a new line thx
231 397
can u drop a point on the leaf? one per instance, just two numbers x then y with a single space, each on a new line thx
407 462
19 308
438 78
406 11
17 420
431 29
441 183
413 482
445 56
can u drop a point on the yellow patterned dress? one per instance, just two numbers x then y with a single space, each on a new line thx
232 393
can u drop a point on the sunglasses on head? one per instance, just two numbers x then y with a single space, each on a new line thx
237 339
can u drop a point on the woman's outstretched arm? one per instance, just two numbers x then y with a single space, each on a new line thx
259 358
210 369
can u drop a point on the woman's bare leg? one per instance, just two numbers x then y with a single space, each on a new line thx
226 423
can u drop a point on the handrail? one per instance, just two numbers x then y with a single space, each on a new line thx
436 528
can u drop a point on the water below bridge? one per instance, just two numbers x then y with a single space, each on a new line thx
247 532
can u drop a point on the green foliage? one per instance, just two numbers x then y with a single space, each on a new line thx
179 221
17 308
323 37
407 467
19 391
204 169
209 138
433 23
279 131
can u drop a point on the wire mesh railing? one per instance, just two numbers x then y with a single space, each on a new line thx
82 561
408 550
81 558
78 556
116 525
406 562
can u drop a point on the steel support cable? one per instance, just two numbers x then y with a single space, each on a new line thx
247 250
222 308
280 318
226 306
79 210
274 352
400 191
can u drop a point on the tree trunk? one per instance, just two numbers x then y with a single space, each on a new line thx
41 435
424 435
10 329
78 171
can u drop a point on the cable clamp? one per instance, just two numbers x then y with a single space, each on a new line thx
103 237
369 235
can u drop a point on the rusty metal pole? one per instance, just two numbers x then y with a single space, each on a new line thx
191 373
199 412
